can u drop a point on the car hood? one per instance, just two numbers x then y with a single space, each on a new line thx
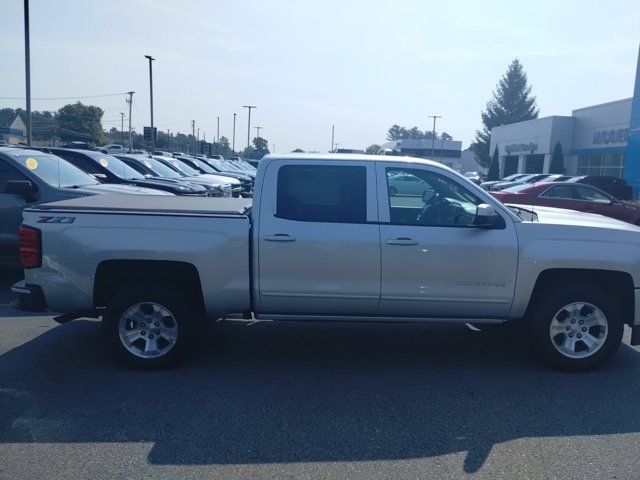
561 216
118 188
207 179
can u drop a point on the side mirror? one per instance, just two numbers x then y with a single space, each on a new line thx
101 177
24 188
486 216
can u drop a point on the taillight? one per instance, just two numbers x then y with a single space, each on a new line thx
30 247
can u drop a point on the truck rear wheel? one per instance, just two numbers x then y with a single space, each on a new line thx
150 327
575 328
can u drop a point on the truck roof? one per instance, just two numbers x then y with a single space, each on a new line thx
354 157
151 204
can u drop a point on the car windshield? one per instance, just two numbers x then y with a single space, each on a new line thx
160 168
513 177
183 167
218 165
203 165
115 166
54 170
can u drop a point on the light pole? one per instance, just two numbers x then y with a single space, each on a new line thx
218 132
274 148
130 102
249 124
233 141
122 128
27 68
258 131
333 133
433 138
153 139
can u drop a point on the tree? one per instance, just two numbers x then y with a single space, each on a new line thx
512 102
373 149
76 121
261 147
297 150
446 136
557 160
494 167
396 132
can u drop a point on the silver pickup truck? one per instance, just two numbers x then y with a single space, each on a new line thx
335 237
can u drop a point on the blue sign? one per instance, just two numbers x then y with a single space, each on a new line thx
632 158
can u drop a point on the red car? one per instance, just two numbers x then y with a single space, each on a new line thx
572 196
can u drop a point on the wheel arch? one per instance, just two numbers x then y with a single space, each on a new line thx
114 275
617 283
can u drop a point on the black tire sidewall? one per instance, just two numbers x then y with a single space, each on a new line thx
177 302
548 303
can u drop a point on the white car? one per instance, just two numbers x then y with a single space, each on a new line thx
112 148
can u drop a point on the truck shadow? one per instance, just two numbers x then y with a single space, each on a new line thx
310 393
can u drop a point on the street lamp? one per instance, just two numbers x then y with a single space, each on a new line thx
249 124
233 144
153 140
433 138
27 68
258 131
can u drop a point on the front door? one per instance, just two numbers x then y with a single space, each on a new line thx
11 207
318 239
435 262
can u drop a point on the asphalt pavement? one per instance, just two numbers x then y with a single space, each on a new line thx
300 401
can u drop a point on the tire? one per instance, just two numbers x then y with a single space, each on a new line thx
566 311
161 319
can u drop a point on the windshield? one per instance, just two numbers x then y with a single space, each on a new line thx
218 165
203 165
159 168
115 166
55 171
183 167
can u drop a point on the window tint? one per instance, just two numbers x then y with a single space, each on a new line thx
53 170
421 197
79 161
7 172
560 191
321 193
592 195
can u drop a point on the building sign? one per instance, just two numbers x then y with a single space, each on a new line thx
520 147
148 133
619 135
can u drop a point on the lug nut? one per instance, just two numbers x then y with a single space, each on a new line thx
157 324
143 332
579 335
151 335
581 322
568 327
573 320
584 329
157 332
571 335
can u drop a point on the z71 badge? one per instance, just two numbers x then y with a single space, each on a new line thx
56 219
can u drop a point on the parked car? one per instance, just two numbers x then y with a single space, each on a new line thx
28 177
206 167
615 186
406 183
112 148
325 241
583 198
531 178
192 174
109 169
152 167
475 177
511 178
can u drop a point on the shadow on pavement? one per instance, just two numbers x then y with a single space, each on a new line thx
8 276
310 393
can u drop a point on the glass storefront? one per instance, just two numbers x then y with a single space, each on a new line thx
510 165
609 164
533 163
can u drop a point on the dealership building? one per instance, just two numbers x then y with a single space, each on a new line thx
593 139
597 140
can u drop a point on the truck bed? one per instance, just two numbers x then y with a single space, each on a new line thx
159 204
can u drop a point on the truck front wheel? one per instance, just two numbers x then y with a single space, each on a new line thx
150 327
576 327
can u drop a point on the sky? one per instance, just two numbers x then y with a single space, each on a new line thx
361 65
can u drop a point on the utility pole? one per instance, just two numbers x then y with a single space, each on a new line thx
193 134
249 124
433 138
336 147
258 131
274 148
27 68
233 142
122 128
333 133
153 137
218 132
130 102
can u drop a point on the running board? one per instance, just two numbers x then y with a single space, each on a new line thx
356 318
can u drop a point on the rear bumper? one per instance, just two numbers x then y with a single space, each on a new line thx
30 297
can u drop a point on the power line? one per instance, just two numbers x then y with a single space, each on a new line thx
66 98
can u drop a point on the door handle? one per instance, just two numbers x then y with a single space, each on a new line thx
280 237
402 241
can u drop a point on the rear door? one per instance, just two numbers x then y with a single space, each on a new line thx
319 242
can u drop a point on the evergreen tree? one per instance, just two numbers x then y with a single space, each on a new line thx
494 167
557 160
512 102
